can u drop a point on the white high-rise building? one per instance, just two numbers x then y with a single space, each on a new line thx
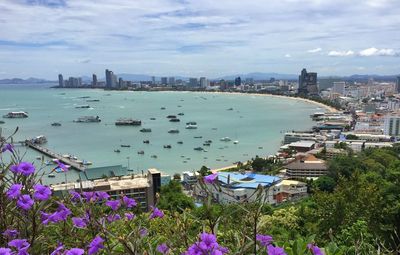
203 82
339 88
391 125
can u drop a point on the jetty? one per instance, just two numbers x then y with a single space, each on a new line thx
49 153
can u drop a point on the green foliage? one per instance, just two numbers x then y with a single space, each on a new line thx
351 137
204 171
325 183
173 199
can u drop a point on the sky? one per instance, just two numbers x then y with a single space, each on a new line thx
212 38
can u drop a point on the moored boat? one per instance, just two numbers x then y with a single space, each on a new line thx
16 115
88 119
145 130
128 122
173 131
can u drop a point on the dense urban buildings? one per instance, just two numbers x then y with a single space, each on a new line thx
308 83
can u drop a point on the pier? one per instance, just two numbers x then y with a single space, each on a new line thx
52 154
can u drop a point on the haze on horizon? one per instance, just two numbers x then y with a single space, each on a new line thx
42 38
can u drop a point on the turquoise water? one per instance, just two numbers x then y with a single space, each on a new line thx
256 122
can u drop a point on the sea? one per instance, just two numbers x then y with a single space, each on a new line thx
257 123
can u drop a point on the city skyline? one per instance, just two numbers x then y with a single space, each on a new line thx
42 38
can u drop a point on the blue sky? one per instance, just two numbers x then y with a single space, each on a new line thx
212 38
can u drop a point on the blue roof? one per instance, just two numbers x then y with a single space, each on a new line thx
247 180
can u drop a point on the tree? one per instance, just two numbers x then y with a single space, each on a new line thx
351 137
172 198
204 171
258 164
325 183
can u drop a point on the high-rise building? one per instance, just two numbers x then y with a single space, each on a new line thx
164 81
61 81
171 81
120 83
203 82
308 83
94 80
110 80
391 125
193 82
398 84
339 88
153 80
238 81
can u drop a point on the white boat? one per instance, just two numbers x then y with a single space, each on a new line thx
235 142
41 139
87 163
14 115
225 139
128 122
190 126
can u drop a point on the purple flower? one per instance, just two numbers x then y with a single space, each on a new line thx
143 232
210 179
102 196
129 216
113 217
25 168
113 204
162 248
129 202
14 191
8 147
157 213
206 245
19 244
79 222
75 196
95 245
63 167
61 214
314 249
265 240
75 251
25 202
89 196
14 169
272 250
58 250
10 233
42 192
5 251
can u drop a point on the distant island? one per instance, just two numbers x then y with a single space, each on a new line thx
24 81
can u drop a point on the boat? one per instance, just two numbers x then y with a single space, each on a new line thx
225 139
179 105
117 151
208 141
82 106
214 128
51 175
125 146
41 139
174 120
198 149
56 124
153 156
179 142
146 141
88 119
16 115
145 130
66 156
260 147
39 158
162 108
2 122
171 117
173 131
235 142
167 146
87 163
197 137
181 114
84 97
190 126
230 109
140 152
191 123
128 122
206 144
152 118
93 100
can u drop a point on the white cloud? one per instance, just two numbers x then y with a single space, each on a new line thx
288 55
335 53
378 52
314 50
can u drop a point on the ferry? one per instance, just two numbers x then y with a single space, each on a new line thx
181 114
128 122
2 122
16 115
173 131
174 120
88 119
235 142
145 130
56 124
82 106
197 137
190 126
41 139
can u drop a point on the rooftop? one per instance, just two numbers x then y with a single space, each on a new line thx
247 180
